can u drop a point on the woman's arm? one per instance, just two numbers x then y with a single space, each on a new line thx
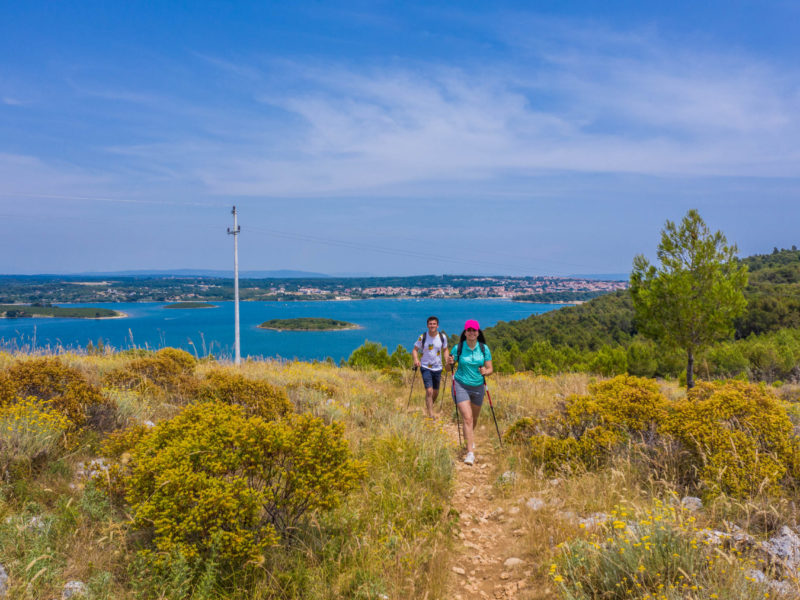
487 368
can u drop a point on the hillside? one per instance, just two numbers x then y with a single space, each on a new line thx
606 324
157 476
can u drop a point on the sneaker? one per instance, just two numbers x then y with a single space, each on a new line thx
469 458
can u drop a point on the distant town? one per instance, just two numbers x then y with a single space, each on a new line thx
52 289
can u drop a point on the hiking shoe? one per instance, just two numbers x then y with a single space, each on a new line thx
469 458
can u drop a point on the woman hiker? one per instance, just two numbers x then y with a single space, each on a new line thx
474 363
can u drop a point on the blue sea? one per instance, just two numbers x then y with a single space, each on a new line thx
210 330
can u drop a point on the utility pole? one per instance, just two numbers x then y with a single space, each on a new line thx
235 233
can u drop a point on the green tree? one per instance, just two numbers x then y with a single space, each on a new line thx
694 295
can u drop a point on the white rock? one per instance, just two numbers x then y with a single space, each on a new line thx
514 510
74 589
594 520
785 546
459 571
756 574
149 424
691 503
508 477
535 503
513 562
3 582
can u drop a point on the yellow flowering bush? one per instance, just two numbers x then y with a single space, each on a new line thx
64 388
30 432
653 554
739 435
213 481
588 428
169 370
257 397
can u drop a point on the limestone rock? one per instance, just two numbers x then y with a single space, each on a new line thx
508 477
513 562
3 582
691 503
535 503
459 571
74 589
593 520
785 547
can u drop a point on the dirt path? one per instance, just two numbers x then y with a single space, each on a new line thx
488 561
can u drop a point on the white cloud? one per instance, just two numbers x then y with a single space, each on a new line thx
577 100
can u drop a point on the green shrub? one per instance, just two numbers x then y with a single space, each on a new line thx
213 482
50 380
370 355
740 437
257 397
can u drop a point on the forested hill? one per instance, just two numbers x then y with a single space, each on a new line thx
773 296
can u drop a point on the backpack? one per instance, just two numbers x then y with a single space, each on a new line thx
481 344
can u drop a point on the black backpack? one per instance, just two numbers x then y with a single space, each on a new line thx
481 344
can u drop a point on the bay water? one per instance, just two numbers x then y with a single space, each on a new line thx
201 331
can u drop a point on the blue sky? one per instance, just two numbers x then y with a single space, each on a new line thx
392 138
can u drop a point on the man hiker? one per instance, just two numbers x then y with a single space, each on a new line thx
432 344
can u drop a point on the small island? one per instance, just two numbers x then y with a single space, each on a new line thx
28 311
307 324
191 305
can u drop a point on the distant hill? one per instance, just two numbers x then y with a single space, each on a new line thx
279 274
773 296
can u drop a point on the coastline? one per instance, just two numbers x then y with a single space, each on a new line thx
119 315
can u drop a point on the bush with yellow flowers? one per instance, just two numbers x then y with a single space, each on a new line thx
30 433
169 370
215 482
257 397
739 436
587 429
653 554
64 388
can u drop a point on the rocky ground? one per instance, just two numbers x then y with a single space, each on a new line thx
490 561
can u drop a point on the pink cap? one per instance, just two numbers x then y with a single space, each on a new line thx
472 324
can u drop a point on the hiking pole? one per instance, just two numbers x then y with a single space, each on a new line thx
453 393
489 396
413 379
444 389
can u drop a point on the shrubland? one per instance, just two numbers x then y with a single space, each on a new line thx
270 480
306 480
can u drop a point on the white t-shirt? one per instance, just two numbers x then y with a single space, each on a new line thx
432 352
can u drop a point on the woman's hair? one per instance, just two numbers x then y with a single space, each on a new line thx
481 339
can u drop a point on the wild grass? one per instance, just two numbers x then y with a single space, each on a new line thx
389 538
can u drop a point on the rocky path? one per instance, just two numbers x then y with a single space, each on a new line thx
489 561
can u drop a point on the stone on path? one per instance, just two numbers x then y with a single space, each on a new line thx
513 562
459 571
535 503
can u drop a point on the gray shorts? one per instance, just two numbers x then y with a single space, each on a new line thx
473 393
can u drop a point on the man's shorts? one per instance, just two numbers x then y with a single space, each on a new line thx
473 393
431 378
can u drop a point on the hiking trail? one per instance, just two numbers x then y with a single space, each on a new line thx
489 559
